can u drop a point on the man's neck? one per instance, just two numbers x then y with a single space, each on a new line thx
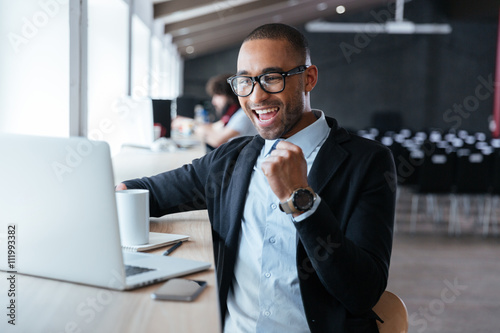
307 119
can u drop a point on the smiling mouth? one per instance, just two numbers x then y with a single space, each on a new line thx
266 115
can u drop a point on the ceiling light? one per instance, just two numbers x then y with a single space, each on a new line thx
187 41
277 18
399 27
209 8
340 9
321 6
190 49
396 26
391 27
183 31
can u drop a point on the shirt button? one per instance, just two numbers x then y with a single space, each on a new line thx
267 275
272 240
274 206
267 313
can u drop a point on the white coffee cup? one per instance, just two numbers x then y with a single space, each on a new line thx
133 216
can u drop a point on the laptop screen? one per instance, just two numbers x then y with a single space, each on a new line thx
61 201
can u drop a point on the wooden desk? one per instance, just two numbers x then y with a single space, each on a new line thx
45 305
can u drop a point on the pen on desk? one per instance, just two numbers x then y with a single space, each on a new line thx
172 249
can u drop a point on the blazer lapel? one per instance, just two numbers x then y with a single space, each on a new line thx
330 157
231 211
240 181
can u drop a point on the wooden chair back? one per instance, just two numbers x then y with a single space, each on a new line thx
392 310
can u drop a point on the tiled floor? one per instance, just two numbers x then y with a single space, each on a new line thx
449 283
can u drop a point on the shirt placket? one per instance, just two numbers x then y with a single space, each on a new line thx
270 254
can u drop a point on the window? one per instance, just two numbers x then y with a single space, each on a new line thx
35 65
107 68
34 62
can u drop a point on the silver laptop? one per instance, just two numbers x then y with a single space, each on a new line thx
58 196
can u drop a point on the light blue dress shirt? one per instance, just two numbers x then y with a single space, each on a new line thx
265 294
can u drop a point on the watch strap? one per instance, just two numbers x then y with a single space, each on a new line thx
288 207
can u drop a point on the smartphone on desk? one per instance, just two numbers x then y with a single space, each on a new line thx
179 290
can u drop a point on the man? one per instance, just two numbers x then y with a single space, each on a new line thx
233 121
302 226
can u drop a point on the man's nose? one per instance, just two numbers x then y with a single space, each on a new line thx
258 94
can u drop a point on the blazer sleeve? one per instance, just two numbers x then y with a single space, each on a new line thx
348 239
166 193
178 190
185 188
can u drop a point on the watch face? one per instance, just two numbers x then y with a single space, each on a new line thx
303 199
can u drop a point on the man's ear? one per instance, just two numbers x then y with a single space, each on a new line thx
311 78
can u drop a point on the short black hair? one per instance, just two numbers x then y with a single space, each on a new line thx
280 31
218 85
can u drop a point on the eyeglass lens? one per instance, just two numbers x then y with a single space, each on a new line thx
272 83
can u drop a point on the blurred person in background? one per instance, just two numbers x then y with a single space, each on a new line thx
232 123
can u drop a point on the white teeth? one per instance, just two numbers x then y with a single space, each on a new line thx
266 110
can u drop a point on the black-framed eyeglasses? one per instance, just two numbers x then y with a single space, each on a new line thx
271 83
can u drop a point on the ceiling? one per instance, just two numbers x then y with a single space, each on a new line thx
202 26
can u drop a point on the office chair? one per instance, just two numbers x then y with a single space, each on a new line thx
435 177
494 198
472 179
387 120
392 310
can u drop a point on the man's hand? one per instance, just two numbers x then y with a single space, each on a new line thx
120 187
285 169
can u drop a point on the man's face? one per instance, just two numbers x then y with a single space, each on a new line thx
273 115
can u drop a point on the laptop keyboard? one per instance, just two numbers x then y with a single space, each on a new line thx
134 270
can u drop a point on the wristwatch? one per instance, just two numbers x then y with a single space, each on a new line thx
300 201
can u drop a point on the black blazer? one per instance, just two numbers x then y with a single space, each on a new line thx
343 249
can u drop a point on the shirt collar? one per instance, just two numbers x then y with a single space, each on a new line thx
308 138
